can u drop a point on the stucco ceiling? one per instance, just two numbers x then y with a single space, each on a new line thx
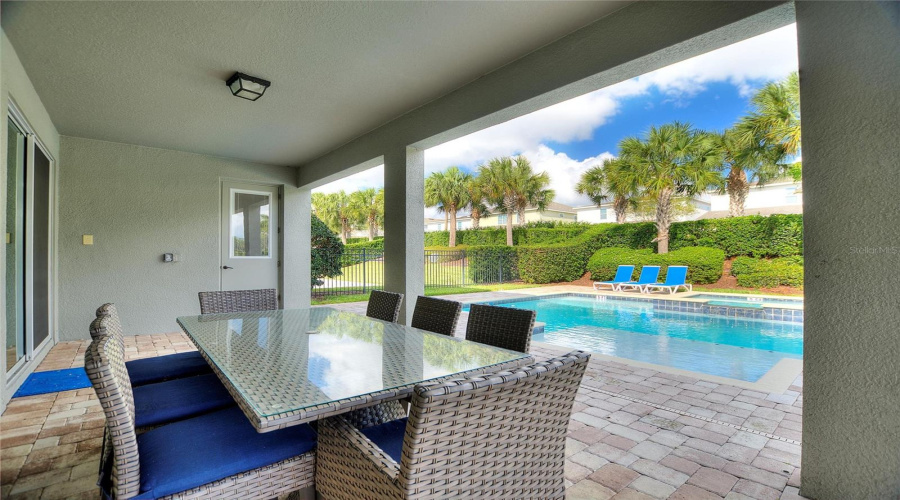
152 73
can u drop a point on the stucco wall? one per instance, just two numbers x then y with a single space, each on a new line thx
139 203
850 101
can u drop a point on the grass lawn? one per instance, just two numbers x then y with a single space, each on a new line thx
359 297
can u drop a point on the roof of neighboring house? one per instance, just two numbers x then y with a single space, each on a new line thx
783 209
557 207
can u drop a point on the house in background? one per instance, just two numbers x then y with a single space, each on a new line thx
780 197
553 212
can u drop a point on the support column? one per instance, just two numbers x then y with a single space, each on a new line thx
404 226
849 56
295 254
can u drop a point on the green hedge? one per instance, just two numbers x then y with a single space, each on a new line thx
441 255
491 236
567 261
754 235
762 273
704 264
363 239
352 255
487 264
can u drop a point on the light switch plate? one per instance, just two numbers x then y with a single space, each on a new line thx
87 239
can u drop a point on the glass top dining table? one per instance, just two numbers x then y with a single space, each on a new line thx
287 367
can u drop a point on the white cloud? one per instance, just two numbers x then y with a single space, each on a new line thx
746 65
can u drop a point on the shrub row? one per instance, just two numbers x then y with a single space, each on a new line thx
353 255
754 235
362 239
490 236
704 263
489 264
762 273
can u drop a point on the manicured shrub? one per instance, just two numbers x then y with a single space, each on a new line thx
490 264
704 263
362 239
770 274
327 250
744 265
369 250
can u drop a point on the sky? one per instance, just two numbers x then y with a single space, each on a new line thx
710 91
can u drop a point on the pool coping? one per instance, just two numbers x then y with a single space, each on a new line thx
778 379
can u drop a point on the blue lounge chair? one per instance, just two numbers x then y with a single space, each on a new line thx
649 274
623 275
675 278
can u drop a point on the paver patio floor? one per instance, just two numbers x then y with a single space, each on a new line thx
635 433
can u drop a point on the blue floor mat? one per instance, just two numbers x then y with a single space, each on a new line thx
53 381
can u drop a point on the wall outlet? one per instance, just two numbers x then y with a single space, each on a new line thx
170 257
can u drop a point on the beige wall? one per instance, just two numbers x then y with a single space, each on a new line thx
139 203
850 88
16 86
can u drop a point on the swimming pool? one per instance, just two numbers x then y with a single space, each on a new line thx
733 347
746 299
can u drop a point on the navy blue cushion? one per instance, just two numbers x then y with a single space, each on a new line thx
191 453
165 402
172 366
388 436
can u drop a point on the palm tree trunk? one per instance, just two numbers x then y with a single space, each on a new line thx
447 220
663 219
452 225
509 224
738 188
620 207
521 215
371 228
476 219
344 231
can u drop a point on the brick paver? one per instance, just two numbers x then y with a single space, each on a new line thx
635 433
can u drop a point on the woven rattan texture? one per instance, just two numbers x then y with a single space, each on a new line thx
384 305
500 327
238 301
494 436
436 315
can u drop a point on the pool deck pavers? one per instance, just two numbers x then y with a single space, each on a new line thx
635 433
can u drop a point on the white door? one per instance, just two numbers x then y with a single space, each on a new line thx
250 235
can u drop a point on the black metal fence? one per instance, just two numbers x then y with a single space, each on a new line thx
362 270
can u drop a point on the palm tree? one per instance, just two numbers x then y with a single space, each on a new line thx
367 206
335 211
760 146
671 160
610 179
448 190
512 186
478 201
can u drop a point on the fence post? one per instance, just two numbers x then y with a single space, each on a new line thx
365 276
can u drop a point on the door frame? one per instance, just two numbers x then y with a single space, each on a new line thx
277 236
34 354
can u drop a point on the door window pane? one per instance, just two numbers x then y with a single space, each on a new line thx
15 245
250 224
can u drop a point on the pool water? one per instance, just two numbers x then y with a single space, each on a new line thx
739 348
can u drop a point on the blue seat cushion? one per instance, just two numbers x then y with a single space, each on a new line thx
194 452
388 436
165 402
172 366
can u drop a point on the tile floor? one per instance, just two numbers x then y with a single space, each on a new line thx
635 433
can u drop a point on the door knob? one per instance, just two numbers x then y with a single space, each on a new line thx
227 267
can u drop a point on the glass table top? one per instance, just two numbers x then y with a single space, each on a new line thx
287 360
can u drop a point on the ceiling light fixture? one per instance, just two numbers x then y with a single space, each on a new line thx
246 86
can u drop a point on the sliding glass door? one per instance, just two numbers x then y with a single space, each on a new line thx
15 246
29 190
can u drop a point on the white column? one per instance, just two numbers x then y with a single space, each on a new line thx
295 254
850 101
404 226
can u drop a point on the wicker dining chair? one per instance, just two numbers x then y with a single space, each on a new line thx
436 315
500 435
502 327
216 455
233 301
155 369
384 305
